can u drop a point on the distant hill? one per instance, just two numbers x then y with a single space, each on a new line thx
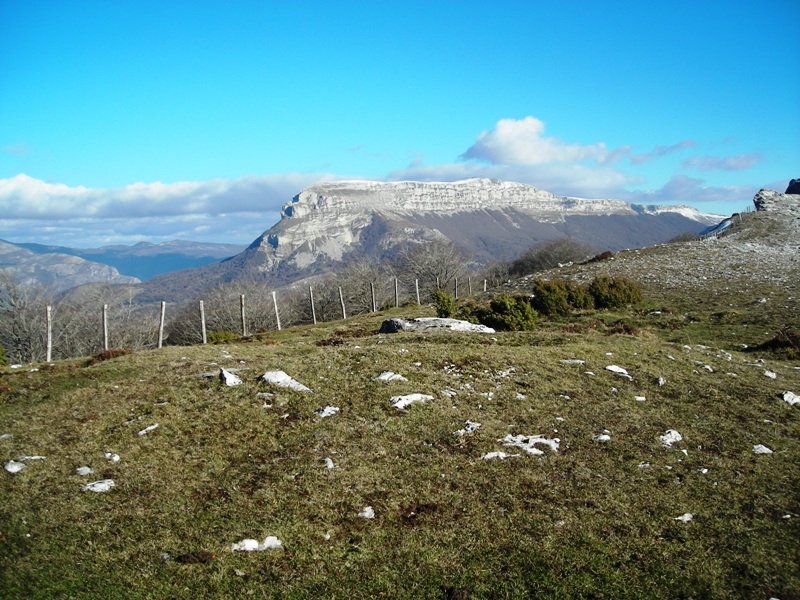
54 271
145 260
329 224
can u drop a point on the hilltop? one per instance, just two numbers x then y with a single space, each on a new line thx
676 478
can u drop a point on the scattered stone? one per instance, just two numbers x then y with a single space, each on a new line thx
35 457
469 427
14 466
500 455
661 381
640 398
708 368
449 393
114 458
228 378
327 411
670 437
771 374
573 361
148 429
388 376
281 379
367 513
791 398
103 485
520 396
602 437
685 517
402 402
8 436
250 545
528 443
761 449
84 471
619 371
644 465
431 324
328 462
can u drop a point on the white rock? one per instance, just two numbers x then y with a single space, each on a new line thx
429 324
112 457
327 411
619 371
685 517
281 379
761 449
328 462
791 398
602 437
8 436
469 427
670 437
497 455
367 513
644 465
402 402
103 485
708 368
388 376
84 471
572 361
640 398
449 393
771 374
148 429
14 466
520 396
229 378
250 545
34 457
528 443
662 381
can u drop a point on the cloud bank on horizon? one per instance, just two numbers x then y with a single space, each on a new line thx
237 210
224 111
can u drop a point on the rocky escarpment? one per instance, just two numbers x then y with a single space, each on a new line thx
488 219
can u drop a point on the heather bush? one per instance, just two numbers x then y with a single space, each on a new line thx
503 313
444 303
614 292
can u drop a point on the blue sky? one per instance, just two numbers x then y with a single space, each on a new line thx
154 120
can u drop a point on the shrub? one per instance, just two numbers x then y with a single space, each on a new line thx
222 337
445 304
3 359
559 296
504 313
614 292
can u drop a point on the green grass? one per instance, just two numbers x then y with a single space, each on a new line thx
586 522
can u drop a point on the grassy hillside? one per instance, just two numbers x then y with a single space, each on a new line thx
594 519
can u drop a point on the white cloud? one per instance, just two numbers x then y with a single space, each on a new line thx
723 163
234 211
689 190
521 142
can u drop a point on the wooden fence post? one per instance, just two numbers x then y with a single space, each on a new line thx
105 327
161 324
456 289
437 283
484 285
416 287
49 333
396 294
313 311
341 299
372 291
244 322
275 304
469 286
203 322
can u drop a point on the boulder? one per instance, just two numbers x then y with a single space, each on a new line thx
794 187
432 324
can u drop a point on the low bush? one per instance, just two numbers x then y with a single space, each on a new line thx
446 306
614 292
503 313
559 297
222 337
3 359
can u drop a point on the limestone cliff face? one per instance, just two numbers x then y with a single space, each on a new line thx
326 222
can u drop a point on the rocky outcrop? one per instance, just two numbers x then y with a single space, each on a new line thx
431 324
793 187
775 202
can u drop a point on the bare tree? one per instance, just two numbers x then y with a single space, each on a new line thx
22 320
432 263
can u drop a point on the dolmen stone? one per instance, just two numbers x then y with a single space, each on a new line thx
432 324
